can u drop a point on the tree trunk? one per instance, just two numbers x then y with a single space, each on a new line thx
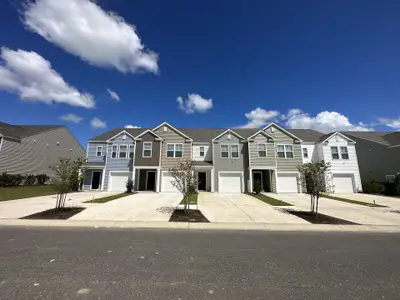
316 207
312 203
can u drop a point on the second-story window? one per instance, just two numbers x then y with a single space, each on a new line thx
262 150
201 151
335 152
114 151
305 152
174 150
131 150
122 151
147 149
224 151
344 152
99 151
284 151
234 151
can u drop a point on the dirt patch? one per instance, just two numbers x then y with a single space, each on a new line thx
192 215
55 214
320 218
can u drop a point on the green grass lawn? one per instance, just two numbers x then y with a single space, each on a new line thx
19 192
351 201
269 200
192 199
108 198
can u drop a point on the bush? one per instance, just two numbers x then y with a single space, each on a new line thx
373 187
129 186
17 179
257 186
29 179
7 180
390 189
41 179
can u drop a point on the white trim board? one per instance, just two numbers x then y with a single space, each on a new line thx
122 131
173 128
230 131
283 129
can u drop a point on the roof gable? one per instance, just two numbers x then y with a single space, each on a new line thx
283 130
227 132
119 133
260 132
173 128
331 135
150 132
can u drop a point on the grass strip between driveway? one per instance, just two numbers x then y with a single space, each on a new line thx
192 199
108 198
20 192
352 201
269 200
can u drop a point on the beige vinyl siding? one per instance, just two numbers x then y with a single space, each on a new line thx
171 136
268 161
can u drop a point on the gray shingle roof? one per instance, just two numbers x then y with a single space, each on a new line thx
109 134
392 138
21 131
307 135
373 136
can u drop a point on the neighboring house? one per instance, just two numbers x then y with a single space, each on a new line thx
378 154
31 149
225 160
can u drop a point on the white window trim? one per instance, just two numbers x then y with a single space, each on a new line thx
230 151
284 148
129 151
204 151
116 151
338 152
304 148
258 150
220 151
151 150
101 151
166 150
341 154
119 151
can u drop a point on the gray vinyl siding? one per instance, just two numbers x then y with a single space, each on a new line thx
87 179
268 161
286 164
171 136
230 164
118 164
154 160
92 151
34 154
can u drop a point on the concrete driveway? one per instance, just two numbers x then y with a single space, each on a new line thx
347 211
14 209
138 207
241 208
392 202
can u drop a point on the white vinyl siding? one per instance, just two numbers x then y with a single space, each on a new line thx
147 149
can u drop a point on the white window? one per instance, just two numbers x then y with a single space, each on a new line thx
147 149
122 151
284 151
235 151
262 150
99 151
131 150
344 152
335 152
201 151
305 152
114 151
224 151
174 150
390 178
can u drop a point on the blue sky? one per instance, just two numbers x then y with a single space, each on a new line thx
326 65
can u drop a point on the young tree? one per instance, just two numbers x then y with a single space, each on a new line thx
315 179
65 178
185 180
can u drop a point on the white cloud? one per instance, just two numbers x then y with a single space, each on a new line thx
194 103
259 117
325 121
31 77
132 126
291 113
392 123
113 95
71 118
84 29
97 123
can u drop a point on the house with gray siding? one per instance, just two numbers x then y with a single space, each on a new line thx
31 149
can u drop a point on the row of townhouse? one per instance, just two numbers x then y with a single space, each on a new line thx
225 160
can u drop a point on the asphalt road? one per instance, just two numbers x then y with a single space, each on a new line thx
42 263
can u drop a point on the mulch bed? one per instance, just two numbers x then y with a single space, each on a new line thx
193 215
320 218
55 214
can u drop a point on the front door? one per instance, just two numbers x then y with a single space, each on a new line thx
202 181
151 181
257 176
96 180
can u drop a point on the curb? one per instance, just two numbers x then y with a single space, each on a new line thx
201 226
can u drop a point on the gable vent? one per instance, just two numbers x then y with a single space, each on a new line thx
272 129
229 136
165 128
124 136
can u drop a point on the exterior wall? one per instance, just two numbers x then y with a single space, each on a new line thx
312 153
207 152
34 154
286 164
268 161
87 181
230 164
154 160
343 166
117 164
92 149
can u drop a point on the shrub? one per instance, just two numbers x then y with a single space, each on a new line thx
390 189
373 187
257 186
41 179
129 186
17 179
29 179
7 180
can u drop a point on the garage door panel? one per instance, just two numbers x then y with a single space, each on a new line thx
343 183
118 181
166 183
230 183
287 183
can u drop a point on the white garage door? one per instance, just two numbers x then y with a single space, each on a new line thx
166 183
287 183
118 181
230 183
343 183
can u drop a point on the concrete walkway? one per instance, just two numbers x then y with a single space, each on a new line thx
392 202
350 212
241 208
142 206
23 207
